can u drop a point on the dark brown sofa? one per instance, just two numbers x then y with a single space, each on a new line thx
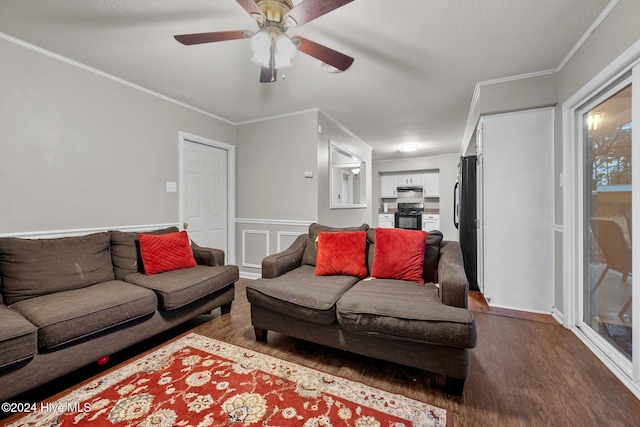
66 302
424 326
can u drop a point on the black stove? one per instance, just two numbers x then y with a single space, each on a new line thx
409 216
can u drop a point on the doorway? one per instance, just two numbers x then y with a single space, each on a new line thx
206 193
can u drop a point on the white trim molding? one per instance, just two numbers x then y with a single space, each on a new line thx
284 222
244 246
52 234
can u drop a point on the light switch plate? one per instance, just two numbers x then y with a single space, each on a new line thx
308 174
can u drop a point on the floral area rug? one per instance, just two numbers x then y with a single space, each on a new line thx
198 381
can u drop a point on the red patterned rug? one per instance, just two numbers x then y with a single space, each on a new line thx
198 381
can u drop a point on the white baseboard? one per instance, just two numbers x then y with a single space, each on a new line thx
558 316
247 275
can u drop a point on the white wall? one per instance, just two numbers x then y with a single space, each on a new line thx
80 150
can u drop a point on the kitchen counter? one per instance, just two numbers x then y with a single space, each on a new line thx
430 211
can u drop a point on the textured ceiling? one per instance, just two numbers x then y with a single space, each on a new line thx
416 61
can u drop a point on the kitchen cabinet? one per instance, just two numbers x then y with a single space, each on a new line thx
408 179
386 221
430 222
388 186
431 184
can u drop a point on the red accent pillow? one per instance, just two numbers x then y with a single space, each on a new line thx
165 252
342 253
399 254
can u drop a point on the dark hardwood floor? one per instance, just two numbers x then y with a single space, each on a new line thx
527 370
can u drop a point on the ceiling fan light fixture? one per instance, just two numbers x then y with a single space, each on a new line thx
285 51
260 44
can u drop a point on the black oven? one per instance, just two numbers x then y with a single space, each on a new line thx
409 216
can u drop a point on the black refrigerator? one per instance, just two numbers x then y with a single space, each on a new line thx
465 217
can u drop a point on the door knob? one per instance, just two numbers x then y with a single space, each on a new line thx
185 225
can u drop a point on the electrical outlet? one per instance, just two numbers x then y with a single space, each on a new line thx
171 187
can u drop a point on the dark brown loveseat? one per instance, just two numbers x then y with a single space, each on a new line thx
66 302
424 326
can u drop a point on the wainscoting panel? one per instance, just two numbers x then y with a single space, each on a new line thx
285 239
255 246
255 242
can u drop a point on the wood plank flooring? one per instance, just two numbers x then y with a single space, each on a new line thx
523 372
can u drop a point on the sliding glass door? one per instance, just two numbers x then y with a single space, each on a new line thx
608 221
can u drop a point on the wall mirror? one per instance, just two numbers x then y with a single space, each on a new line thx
348 176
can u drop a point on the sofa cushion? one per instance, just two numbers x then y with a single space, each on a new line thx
301 294
18 338
32 268
166 252
342 254
403 310
399 254
125 251
431 254
180 287
311 251
63 317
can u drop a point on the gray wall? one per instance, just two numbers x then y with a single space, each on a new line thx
613 36
272 157
82 151
333 131
275 202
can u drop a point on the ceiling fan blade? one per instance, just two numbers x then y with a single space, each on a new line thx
252 8
323 53
309 10
218 36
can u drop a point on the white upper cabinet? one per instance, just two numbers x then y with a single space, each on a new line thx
408 179
431 184
388 186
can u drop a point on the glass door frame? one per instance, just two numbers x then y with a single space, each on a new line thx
582 138
573 181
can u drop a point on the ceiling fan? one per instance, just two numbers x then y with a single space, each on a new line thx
272 48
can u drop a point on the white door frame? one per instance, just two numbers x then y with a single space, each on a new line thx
230 255
573 215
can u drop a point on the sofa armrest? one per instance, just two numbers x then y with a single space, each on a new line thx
277 264
207 256
454 286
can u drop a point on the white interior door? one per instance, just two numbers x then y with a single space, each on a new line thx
517 210
205 194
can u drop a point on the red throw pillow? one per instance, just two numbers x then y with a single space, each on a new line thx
166 252
399 254
342 253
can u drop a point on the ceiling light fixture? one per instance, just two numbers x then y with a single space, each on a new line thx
272 40
408 148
